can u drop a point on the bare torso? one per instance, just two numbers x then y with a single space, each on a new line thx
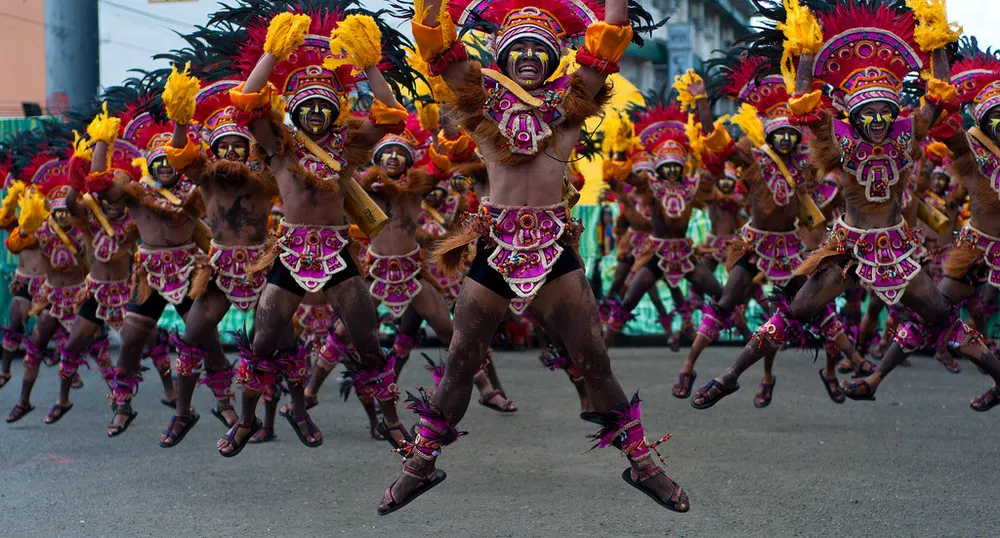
236 211
399 235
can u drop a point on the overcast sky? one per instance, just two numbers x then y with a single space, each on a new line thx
133 30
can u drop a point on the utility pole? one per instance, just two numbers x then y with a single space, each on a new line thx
72 53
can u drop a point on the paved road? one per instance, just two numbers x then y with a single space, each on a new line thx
917 462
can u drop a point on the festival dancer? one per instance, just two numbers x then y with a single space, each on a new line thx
63 242
289 54
113 235
237 193
675 186
973 260
623 165
170 267
777 175
867 52
526 129
28 277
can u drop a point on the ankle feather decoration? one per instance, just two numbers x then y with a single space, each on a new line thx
220 383
435 430
622 428
189 357
255 373
70 363
123 386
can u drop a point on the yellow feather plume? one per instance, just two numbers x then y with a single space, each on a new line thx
939 149
697 141
360 38
619 133
33 212
179 93
285 33
802 36
141 164
748 121
687 100
12 198
420 10
429 116
82 147
104 127
933 31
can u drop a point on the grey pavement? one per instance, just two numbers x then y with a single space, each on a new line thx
918 462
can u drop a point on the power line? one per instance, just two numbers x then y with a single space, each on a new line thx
144 13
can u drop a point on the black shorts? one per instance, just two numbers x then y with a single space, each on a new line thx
747 262
154 306
481 272
22 292
280 275
88 311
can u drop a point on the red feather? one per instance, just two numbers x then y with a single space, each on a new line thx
573 15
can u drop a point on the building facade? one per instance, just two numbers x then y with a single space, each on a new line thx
696 28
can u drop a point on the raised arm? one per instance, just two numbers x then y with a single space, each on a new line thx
941 95
285 33
179 98
437 42
103 131
604 46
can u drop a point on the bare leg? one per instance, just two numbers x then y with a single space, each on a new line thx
352 302
643 280
819 290
622 269
136 331
14 333
478 312
80 336
44 329
733 295
574 316
271 322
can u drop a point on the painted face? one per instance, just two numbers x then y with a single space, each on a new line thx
62 218
162 172
232 148
394 160
460 183
726 184
436 197
670 172
315 116
873 121
112 211
528 63
991 123
784 140
939 183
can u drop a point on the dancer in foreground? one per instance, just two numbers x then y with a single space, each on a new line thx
526 129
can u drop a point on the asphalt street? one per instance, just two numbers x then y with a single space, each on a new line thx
917 462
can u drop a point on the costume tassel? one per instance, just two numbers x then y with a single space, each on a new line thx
802 36
932 31
33 212
179 94
285 33
360 38
748 121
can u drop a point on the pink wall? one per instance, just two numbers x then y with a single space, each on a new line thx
22 40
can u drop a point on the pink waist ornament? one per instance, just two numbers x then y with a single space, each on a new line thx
527 243
23 281
231 266
112 298
885 257
312 253
674 257
63 303
779 254
395 279
718 246
989 246
169 270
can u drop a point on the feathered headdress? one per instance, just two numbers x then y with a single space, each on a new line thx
976 77
752 80
868 50
414 139
554 23
312 70
144 122
662 131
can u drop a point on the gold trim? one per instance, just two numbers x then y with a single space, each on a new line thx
514 88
